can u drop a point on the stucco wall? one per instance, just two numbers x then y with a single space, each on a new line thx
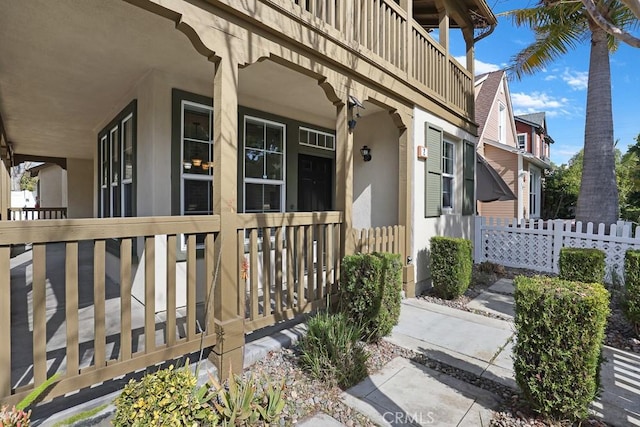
453 224
52 187
375 183
80 187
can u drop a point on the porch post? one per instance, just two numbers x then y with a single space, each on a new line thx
405 202
344 178
5 191
229 324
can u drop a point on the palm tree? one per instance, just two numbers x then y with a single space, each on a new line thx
559 26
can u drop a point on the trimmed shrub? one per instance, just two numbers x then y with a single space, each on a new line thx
559 335
582 265
451 264
331 350
632 285
370 293
167 397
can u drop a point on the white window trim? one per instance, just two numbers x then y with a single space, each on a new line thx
449 209
502 123
318 132
246 180
123 181
192 176
526 137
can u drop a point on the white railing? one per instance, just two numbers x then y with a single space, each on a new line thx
536 244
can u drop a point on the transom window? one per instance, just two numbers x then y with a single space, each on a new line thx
316 138
264 167
197 159
117 158
448 172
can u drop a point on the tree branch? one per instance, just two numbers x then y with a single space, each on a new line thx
606 25
634 6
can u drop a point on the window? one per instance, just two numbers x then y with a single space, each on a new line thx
522 141
535 190
316 138
502 124
264 161
448 173
116 150
196 177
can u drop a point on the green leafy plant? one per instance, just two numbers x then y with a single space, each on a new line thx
370 294
451 264
167 397
331 350
559 336
632 285
247 400
582 265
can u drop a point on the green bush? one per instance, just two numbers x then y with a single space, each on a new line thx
331 350
451 264
559 334
167 397
632 286
582 265
370 293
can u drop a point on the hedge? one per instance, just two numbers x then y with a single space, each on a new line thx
632 285
451 264
559 335
582 265
370 293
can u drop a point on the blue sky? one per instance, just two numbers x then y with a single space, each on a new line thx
560 90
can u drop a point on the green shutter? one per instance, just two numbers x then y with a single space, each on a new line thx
433 171
468 199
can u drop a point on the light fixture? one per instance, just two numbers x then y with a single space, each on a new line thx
352 103
366 153
196 162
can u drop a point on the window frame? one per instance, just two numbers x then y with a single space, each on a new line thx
112 201
535 183
264 181
449 176
502 123
523 145
317 132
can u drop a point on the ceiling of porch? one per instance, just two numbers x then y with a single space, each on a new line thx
66 66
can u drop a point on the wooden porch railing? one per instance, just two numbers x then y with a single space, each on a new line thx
289 264
24 214
77 315
381 239
379 27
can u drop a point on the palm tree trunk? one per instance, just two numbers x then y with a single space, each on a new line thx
598 197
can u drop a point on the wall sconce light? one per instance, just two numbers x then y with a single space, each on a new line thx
352 103
366 153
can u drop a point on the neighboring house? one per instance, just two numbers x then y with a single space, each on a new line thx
207 126
514 152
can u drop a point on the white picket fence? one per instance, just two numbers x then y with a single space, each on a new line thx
536 244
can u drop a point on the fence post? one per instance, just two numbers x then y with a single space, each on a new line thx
558 233
477 240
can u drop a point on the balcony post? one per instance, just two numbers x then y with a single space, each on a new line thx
5 192
229 324
405 199
344 177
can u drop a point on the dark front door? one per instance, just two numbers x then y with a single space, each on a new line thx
315 180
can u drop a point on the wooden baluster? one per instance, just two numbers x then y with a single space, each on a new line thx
149 294
191 286
125 299
99 275
71 307
5 320
254 303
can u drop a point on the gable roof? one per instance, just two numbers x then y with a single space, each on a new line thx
486 96
535 118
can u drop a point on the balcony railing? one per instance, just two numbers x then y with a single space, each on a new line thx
24 214
378 30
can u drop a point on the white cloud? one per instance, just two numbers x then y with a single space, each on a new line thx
550 77
480 67
577 80
524 103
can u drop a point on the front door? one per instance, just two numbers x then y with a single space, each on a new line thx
315 180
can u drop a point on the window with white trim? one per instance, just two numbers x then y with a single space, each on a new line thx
535 192
116 149
196 153
502 124
263 165
522 141
317 139
448 174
